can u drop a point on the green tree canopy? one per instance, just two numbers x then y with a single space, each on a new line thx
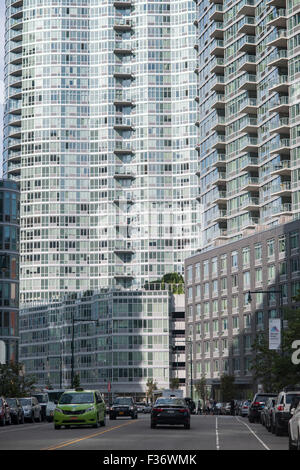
13 381
227 387
274 369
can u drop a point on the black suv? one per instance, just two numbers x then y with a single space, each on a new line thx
123 406
257 405
16 410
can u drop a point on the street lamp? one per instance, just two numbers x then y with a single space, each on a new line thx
76 320
280 307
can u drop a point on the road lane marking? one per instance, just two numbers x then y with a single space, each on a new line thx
254 434
74 441
217 434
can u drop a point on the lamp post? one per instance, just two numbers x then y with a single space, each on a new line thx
280 308
76 320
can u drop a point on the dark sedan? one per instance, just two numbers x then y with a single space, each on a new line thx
123 406
170 411
16 410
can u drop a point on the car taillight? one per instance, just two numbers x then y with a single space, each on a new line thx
184 410
280 408
159 410
256 403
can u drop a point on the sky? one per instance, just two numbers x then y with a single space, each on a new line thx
2 29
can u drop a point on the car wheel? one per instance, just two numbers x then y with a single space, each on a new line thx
9 420
96 425
22 420
56 426
153 425
251 420
2 422
187 425
39 419
18 420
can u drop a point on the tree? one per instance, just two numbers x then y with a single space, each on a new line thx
14 382
201 389
174 383
76 381
151 386
272 368
227 387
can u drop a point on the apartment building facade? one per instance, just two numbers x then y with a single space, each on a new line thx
122 338
220 321
9 269
99 130
248 115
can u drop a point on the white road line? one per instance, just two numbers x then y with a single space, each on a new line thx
19 427
217 434
262 443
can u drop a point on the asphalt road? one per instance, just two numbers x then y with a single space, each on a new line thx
206 433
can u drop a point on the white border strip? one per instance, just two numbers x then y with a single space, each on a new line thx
262 443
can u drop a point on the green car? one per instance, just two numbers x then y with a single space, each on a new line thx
76 407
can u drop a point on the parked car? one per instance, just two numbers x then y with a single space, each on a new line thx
148 408
31 408
5 417
16 410
294 425
43 400
140 407
257 405
123 406
226 408
282 415
244 408
170 411
217 408
267 413
53 398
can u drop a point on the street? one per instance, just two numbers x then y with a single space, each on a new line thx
206 433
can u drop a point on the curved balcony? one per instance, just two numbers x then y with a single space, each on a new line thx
281 106
123 148
277 18
247 44
280 126
123 24
121 48
250 204
217 47
124 174
216 13
123 3
281 146
282 209
282 190
249 125
249 184
278 39
247 82
282 169
218 83
217 65
249 106
217 30
124 72
249 144
247 63
278 59
280 85
249 163
123 124
246 25
123 246
218 101
247 7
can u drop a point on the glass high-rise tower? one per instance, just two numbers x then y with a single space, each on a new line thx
99 129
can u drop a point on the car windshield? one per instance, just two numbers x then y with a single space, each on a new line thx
290 398
170 401
11 401
78 398
54 396
122 401
25 401
41 398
